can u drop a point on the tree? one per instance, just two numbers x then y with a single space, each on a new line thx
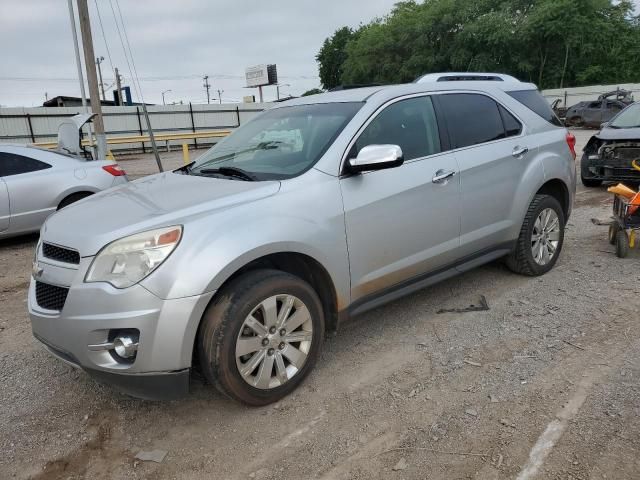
553 43
332 55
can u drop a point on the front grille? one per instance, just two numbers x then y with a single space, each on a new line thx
60 254
51 297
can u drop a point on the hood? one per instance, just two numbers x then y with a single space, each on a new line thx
619 134
159 200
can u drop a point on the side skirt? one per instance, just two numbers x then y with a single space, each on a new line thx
419 282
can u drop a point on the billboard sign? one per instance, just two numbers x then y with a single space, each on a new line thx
260 75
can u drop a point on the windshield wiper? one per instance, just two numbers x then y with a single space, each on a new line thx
230 172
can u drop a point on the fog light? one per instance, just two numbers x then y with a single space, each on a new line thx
125 346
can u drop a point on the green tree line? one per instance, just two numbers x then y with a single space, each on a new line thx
553 43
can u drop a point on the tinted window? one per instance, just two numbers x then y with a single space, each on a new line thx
533 100
12 164
511 124
410 123
471 119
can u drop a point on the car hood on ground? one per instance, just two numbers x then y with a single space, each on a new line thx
159 200
618 134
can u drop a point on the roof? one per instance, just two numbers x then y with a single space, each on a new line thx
391 91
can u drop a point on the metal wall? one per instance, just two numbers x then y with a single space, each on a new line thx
40 124
582 94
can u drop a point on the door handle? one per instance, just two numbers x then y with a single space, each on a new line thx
519 151
441 176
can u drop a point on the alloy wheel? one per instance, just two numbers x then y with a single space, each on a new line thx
545 236
274 341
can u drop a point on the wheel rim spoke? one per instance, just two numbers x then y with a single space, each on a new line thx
263 379
251 365
255 325
295 356
285 310
281 369
270 309
248 345
299 336
300 316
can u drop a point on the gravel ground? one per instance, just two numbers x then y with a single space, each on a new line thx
401 392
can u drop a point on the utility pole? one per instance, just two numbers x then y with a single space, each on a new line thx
166 91
94 96
220 92
99 60
83 95
118 87
207 86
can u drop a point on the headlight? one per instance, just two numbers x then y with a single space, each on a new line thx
127 261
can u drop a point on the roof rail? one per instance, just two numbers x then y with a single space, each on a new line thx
465 77
355 85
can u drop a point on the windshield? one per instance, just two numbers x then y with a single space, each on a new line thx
279 144
627 118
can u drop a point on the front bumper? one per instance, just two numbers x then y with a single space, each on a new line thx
92 312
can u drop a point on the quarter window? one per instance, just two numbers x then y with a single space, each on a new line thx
471 119
411 124
13 164
512 126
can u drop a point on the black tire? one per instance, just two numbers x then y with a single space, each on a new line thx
585 174
74 197
223 319
622 244
521 258
614 228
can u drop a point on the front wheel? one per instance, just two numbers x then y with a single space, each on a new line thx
261 336
541 237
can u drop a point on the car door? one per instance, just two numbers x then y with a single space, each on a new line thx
492 156
30 189
592 115
401 222
5 212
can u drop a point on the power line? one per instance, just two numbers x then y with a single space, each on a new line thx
104 37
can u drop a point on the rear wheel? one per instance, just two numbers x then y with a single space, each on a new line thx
622 244
261 336
541 237
614 228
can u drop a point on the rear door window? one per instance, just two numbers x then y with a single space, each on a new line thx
13 164
471 119
411 124
534 101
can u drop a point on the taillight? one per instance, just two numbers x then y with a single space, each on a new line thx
571 141
115 170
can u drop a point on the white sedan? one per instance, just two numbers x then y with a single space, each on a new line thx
36 182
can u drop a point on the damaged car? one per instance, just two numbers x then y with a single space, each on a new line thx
614 152
592 114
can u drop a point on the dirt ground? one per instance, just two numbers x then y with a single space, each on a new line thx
545 384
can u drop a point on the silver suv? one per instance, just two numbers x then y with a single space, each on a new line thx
319 209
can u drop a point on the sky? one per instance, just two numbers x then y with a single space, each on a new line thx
174 44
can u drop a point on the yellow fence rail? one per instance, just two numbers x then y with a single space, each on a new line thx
159 137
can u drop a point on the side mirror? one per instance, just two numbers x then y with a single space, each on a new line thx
376 157
604 125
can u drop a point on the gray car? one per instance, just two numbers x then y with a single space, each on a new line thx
34 183
317 210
